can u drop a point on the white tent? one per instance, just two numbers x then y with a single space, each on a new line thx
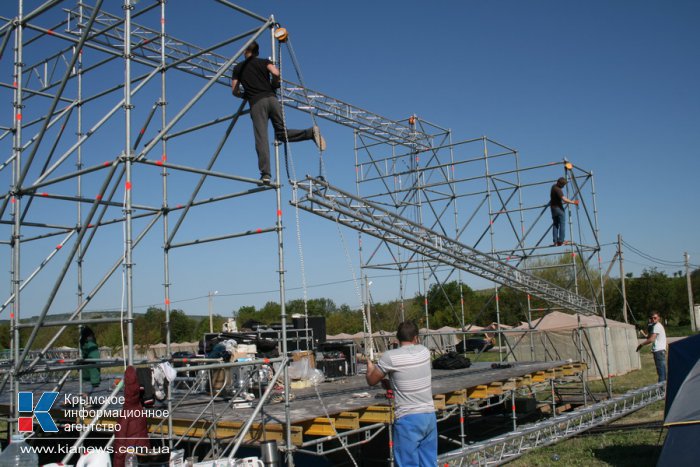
561 336
438 339
340 337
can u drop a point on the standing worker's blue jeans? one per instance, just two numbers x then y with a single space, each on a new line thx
558 225
415 440
660 362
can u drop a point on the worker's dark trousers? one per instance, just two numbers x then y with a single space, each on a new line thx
269 108
558 225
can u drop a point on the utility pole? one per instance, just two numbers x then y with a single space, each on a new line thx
693 324
211 307
622 277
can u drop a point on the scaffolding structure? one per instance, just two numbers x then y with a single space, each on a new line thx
94 122
476 192
95 130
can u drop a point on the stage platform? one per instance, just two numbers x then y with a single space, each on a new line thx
330 408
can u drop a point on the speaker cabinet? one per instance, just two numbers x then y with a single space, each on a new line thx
316 323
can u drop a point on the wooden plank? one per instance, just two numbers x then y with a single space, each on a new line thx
439 401
495 388
376 414
538 377
510 384
456 397
321 426
324 426
348 421
479 392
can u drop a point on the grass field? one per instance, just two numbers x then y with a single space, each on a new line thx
625 447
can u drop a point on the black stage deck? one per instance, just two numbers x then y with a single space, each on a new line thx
337 400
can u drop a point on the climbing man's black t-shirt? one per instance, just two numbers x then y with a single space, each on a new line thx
255 78
555 197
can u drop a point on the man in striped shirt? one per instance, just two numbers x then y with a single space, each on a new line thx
415 425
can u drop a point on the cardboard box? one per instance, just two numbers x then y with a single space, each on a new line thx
304 355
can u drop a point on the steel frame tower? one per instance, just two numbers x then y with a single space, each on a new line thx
478 193
104 177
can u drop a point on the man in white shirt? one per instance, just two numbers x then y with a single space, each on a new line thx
408 368
657 339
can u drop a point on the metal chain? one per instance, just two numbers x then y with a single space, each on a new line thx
292 180
330 422
298 231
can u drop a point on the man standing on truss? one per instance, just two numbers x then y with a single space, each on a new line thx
556 204
415 425
260 77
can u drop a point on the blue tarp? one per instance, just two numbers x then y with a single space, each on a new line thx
683 355
682 412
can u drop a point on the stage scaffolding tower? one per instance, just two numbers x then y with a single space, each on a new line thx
477 192
88 69
83 144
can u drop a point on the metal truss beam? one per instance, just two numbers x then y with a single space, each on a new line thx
107 35
352 211
381 128
497 451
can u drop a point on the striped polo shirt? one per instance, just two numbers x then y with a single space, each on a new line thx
408 368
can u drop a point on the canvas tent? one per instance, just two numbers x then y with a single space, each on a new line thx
562 336
682 408
434 339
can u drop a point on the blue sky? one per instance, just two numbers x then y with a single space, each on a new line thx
611 86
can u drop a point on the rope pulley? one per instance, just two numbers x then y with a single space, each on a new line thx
280 33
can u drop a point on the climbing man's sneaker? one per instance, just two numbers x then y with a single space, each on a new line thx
318 139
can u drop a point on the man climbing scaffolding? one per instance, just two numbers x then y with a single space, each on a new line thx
556 204
260 78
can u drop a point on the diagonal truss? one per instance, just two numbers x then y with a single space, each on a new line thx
503 449
330 202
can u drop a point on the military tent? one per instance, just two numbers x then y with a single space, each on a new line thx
562 336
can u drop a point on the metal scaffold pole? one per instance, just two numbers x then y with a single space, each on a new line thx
128 161
289 446
16 209
165 210
79 194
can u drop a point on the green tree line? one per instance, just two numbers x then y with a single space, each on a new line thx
653 290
